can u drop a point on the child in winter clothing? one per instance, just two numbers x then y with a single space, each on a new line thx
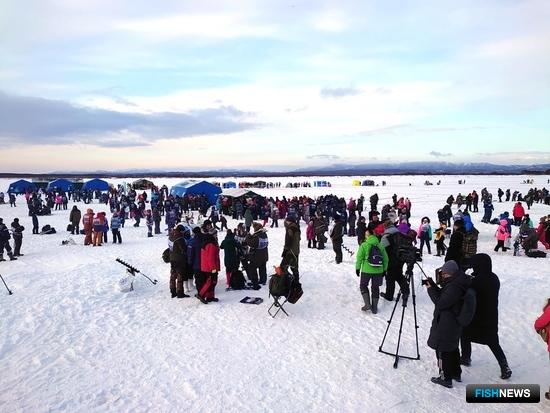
115 228
98 225
440 239
544 322
149 223
310 234
425 234
502 235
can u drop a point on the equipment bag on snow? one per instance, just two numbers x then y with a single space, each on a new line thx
375 258
468 310
295 293
237 281
70 228
166 255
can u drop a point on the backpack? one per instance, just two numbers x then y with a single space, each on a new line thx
279 285
237 281
468 310
166 255
375 258
69 227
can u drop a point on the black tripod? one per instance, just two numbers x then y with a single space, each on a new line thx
6 285
410 280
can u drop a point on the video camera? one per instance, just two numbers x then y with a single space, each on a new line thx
409 254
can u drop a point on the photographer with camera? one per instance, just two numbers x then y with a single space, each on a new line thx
484 326
446 329
392 240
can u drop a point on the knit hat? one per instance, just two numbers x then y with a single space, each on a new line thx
450 267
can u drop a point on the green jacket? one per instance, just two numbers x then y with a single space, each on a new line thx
362 262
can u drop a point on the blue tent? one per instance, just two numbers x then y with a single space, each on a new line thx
194 187
229 184
21 187
60 184
96 185
321 183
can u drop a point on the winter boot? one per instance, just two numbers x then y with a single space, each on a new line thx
173 293
366 299
443 382
374 307
465 361
182 295
385 297
12 258
2 257
505 372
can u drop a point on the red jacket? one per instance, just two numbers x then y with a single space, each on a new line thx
544 321
210 258
518 211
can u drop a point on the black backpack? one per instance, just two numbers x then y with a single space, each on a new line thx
279 285
237 281
166 255
375 258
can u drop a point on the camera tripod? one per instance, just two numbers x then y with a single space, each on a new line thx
410 280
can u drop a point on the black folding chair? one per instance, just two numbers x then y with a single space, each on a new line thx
278 305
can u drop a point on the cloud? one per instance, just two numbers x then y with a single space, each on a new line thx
339 92
32 120
324 157
389 130
438 154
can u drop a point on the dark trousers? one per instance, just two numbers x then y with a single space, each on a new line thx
176 281
157 227
105 236
500 244
75 230
208 287
116 236
254 270
17 241
200 279
337 248
449 363
425 240
376 283
5 246
391 278
440 246
494 346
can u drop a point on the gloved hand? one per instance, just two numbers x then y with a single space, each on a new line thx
358 272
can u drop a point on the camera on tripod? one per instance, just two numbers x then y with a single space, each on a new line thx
409 254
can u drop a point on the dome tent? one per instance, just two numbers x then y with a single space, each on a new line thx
356 182
21 186
142 184
95 185
229 184
60 184
194 187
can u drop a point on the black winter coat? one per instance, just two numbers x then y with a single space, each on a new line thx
484 327
445 331
454 252
258 243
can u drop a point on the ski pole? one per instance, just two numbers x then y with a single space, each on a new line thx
6 285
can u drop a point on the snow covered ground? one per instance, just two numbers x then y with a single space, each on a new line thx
71 341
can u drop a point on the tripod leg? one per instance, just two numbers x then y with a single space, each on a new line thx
413 293
389 321
399 337
6 285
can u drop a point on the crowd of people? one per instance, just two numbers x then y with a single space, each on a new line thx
195 248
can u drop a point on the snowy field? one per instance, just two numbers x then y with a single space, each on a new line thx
71 341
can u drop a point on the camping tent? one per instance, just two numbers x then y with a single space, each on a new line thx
229 184
260 184
60 184
95 185
321 183
356 182
21 187
194 187
238 192
368 182
142 184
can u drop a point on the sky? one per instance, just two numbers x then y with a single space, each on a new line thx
273 85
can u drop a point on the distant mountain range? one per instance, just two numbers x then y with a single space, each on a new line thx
405 168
